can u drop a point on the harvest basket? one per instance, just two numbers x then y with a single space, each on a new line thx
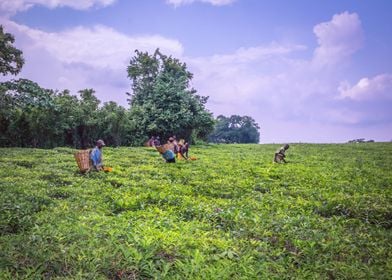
161 149
83 160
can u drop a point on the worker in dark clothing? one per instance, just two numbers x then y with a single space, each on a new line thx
280 154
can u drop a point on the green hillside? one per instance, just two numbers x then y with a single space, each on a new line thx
231 214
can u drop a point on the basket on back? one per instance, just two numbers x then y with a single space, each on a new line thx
161 149
83 160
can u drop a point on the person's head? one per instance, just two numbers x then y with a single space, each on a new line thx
100 143
171 139
286 146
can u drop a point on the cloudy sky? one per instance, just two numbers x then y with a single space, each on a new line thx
306 71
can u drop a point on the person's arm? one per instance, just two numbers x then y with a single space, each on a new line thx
183 154
283 155
100 163
187 150
95 158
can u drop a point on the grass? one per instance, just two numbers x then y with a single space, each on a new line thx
231 214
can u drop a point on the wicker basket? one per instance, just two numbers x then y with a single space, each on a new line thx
83 160
161 149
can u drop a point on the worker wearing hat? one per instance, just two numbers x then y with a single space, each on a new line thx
96 155
173 146
280 154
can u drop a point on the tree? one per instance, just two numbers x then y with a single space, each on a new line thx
11 59
235 129
162 102
6 115
31 114
87 118
113 124
67 108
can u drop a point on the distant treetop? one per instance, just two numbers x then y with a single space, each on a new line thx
11 59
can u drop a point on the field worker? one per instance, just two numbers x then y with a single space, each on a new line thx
167 154
175 140
156 142
172 143
183 148
96 155
150 142
280 154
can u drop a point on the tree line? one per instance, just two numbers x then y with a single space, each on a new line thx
162 103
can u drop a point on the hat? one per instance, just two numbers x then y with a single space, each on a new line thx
100 142
171 139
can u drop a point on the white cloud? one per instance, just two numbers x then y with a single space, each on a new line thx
376 88
271 83
13 6
245 75
337 39
99 46
177 3
252 54
84 57
268 82
269 75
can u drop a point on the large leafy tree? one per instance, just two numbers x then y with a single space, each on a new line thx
114 124
11 59
235 129
7 105
162 101
67 118
31 116
28 113
87 118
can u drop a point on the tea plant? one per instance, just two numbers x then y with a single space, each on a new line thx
232 213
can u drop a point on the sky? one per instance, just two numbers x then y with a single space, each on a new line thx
305 70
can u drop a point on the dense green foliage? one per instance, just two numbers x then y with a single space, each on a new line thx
235 129
31 116
11 59
231 214
162 102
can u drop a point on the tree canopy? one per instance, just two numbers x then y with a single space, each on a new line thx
31 116
235 129
11 59
162 102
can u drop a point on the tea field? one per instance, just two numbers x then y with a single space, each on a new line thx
231 214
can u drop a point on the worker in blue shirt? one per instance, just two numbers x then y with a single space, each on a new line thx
96 155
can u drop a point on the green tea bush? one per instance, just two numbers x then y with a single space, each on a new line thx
231 213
